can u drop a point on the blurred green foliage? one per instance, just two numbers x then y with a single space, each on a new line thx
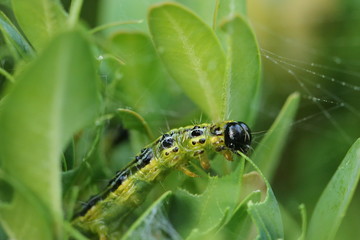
169 65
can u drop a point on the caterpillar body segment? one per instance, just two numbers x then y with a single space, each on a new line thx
172 150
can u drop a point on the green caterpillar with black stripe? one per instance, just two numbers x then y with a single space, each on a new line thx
172 150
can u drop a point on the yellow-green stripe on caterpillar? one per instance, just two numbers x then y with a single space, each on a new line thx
172 150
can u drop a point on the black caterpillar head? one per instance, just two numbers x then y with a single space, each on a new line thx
237 136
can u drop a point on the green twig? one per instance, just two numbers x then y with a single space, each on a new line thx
217 4
73 232
141 119
74 13
7 75
303 222
113 24
111 57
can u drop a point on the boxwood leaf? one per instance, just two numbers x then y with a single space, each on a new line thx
17 43
210 233
335 199
266 214
39 19
50 100
239 225
267 153
242 84
202 212
142 82
114 11
14 192
229 8
192 54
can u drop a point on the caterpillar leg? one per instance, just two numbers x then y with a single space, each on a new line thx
93 228
187 171
103 233
204 161
228 155
103 237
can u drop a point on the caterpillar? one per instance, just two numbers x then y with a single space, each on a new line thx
172 150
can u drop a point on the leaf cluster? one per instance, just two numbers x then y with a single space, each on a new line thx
61 129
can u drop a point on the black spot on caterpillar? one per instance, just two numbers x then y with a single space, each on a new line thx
172 150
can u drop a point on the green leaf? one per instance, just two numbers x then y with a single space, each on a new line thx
292 229
17 43
267 153
142 82
210 233
204 9
7 208
239 225
230 8
201 213
112 11
50 100
266 215
192 55
243 70
39 19
335 199
153 223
